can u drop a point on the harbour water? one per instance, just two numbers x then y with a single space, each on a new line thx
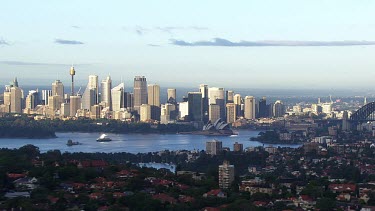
133 143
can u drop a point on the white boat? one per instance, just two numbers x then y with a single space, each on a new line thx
103 138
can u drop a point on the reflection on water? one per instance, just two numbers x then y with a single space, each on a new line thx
133 143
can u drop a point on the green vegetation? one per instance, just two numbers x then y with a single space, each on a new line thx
26 127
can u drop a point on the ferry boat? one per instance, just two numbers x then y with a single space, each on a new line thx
70 143
103 138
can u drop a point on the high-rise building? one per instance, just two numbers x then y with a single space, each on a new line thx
58 88
54 104
153 92
195 106
32 99
117 94
140 92
278 109
95 111
237 99
75 105
214 112
15 100
88 98
326 108
203 88
65 110
171 96
94 84
91 95
230 96
129 101
237 147
7 100
231 112
214 147
217 96
249 107
166 112
45 95
226 175
105 95
263 111
183 110
145 112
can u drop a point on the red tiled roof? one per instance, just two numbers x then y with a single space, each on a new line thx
306 198
342 187
260 203
164 198
214 192
15 176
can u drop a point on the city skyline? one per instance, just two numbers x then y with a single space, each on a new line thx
329 45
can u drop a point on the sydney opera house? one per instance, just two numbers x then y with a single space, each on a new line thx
219 127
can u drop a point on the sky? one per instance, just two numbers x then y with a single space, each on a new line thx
239 44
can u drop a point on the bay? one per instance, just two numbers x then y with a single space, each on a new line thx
134 143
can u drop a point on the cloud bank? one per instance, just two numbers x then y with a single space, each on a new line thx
226 43
68 42
23 63
139 30
3 42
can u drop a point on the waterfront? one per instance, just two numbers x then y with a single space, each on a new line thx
133 143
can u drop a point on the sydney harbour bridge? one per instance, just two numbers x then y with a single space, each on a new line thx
365 114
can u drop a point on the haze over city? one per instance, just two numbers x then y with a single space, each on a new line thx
241 44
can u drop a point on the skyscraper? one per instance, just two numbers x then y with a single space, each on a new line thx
118 97
226 175
129 101
166 111
214 112
195 106
249 107
88 98
238 101
32 99
231 112
203 88
45 95
54 103
58 88
75 105
91 94
263 111
153 92
278 109
106 86
230 96
94 84
217 96
15 100
171 96
140 92
7 100
145 112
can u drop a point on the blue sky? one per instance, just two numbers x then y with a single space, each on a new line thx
309 44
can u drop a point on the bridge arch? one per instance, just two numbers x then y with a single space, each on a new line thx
365 113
